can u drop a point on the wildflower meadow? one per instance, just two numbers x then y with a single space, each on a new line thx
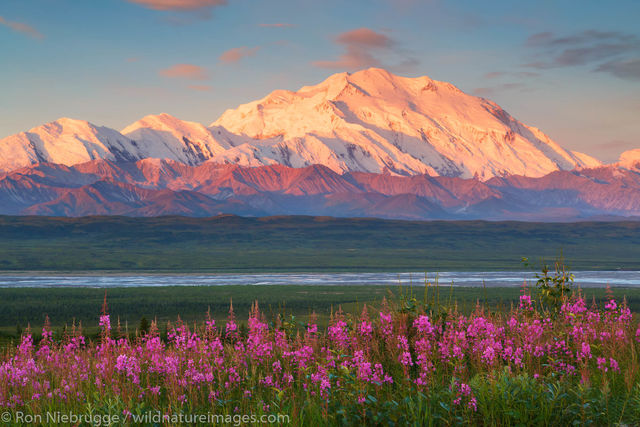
404 362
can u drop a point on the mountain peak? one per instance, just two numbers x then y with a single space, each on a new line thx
373 120
71 121
162 120
64 124
373 76
166 136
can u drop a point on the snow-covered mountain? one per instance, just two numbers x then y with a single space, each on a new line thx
374 121
67 142
369 121
166 137
70 142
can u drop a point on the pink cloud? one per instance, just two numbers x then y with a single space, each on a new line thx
185 71
238 53
22 28
352 59
277 25
364 37
360 45
178 4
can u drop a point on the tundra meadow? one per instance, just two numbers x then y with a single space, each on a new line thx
554 359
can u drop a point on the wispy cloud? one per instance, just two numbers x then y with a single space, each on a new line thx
238 53
616 144
623 68
613 52
492 90
22 28
185 71
496 75
277 25
361 49
179 5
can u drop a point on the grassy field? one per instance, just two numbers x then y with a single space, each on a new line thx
435 354
230 243
64 306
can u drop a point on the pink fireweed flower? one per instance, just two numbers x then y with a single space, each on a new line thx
464 392
257 327
210 326
322 379
312 328
386 324
231 327
576 307
611 305
625 315
26 345
614 364
365 328
423 325
302 357
362 365
405 359
47 335
403 343
130 366
105 322
267 381
338 333
489 354
525 302
584 352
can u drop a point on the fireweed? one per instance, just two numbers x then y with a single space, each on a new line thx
420 366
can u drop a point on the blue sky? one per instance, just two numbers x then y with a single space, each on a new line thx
571 68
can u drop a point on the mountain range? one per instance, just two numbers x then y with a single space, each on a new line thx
363 144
